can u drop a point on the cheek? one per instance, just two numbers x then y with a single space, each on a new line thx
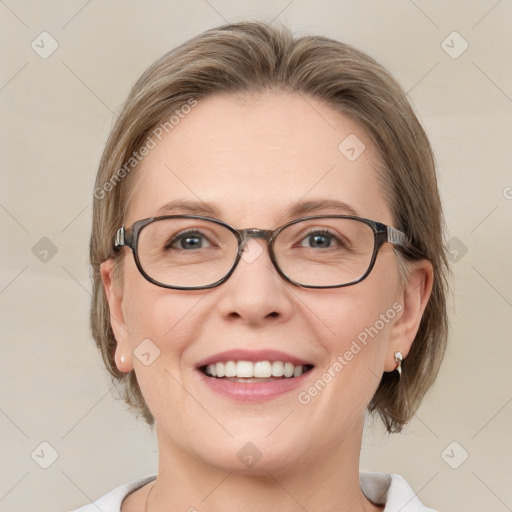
353 330
358 331
354 326
156 314
361 313
161 324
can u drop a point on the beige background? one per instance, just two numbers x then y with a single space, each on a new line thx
56 114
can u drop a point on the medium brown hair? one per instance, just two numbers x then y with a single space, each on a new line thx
254 57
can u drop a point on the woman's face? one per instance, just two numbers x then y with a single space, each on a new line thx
252 160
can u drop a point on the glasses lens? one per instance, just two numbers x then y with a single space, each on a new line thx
186 252
325 251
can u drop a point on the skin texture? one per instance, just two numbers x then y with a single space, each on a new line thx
255 156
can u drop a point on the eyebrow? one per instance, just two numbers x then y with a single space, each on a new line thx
300 208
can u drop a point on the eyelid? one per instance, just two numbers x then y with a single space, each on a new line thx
331 232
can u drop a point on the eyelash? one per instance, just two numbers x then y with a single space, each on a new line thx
184 234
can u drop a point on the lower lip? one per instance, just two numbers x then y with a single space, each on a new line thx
254 391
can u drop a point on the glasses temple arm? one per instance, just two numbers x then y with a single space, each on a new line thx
396 237
120 238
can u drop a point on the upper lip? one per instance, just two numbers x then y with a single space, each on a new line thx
252 355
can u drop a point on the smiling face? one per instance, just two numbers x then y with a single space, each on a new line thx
251 161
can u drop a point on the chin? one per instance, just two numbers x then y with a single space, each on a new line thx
251 454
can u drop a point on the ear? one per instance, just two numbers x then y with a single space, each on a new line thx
413 298
114 294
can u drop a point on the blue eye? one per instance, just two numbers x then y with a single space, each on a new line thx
321 239
191 239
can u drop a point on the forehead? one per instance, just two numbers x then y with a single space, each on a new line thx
252 158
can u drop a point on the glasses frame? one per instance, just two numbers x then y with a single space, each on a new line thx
129 237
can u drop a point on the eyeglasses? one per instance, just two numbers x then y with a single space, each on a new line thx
192 252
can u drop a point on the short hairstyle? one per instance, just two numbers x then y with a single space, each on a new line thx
254 57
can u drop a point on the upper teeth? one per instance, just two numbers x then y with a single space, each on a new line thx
259 369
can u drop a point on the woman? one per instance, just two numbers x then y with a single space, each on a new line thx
268 262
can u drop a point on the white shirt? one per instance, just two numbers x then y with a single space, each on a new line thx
380 488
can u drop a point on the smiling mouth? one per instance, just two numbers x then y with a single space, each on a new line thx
259 371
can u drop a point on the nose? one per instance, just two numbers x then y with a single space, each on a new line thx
255 292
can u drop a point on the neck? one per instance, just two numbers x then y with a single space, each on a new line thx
324 482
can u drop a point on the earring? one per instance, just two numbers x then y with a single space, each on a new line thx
123 357
398 361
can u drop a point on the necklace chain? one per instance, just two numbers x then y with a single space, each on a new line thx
147 499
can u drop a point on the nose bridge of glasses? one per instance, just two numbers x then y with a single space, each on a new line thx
246 234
